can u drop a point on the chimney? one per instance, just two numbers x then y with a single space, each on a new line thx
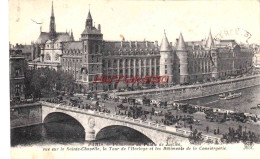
99 27
156 43
130 43
136 44
146 43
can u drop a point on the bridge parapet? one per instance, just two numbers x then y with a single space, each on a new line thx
124 119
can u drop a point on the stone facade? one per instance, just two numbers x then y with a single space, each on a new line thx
16 72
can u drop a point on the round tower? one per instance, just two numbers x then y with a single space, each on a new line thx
166 59
182 53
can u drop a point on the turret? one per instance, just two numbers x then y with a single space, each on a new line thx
166 59
183 56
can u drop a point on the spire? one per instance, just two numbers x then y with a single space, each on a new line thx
52 23
181 43
71 36
210 41
89 15
89 20
52 11
165 46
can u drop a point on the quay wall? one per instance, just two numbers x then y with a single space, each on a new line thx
179 93
25 115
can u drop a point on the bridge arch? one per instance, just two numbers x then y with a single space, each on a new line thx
63 127
59 116
132 134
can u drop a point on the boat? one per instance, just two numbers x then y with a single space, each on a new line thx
258 105
232 96
222 95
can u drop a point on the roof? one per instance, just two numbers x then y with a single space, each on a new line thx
45 36
165 46
62 36
181 43
91 30
73 45
127 45
23 48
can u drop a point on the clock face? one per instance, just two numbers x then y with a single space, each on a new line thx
56 57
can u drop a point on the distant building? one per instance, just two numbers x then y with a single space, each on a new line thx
16 74
26 50
184 62
49 44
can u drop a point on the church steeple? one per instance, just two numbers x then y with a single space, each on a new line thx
89 20
52 23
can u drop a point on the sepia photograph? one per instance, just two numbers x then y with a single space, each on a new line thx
125 77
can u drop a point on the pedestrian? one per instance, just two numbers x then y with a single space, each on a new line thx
190 127
215 132
218 130
207 129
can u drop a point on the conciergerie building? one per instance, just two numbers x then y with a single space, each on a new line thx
91 57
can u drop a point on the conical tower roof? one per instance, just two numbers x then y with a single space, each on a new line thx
165 46
89 15
181 43
210 41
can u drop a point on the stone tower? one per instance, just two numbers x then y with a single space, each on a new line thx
92 39
182 54
166 59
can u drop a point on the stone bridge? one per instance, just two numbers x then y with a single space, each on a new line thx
93 122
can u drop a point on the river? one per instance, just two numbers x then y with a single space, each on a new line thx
245 103
70 132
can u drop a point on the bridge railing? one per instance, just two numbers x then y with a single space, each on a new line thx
131 120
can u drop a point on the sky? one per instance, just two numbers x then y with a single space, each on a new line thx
137 20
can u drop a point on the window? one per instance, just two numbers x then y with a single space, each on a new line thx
17 72
48 57
165 71
165 66
17 89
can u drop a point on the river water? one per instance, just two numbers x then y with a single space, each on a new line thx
245 103
69 132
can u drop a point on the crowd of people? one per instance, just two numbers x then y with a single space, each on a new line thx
166 118
236 136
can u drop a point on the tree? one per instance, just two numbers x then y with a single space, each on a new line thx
45 81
